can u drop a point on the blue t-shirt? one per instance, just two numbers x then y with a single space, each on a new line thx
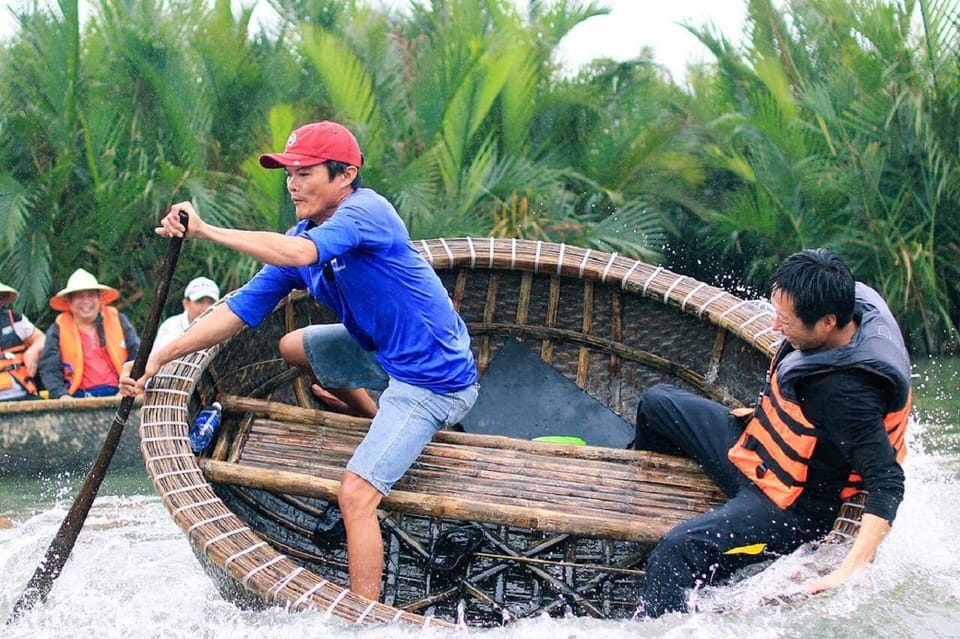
384 292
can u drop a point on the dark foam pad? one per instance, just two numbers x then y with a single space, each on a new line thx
522 396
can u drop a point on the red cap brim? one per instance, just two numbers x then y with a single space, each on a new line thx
283 160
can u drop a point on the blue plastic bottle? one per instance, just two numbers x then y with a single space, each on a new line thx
205 427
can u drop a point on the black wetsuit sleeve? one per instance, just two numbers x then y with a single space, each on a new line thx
849 406
50 368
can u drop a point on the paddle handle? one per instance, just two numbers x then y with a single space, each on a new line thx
52 565
159 301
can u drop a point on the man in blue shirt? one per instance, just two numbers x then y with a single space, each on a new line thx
399 332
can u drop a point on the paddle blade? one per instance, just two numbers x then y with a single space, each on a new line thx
59 551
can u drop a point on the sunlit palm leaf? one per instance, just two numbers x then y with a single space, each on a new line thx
348 87
941 19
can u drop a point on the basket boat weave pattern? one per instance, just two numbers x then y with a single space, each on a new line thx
611 324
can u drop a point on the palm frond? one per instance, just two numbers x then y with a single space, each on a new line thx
940 21
348 86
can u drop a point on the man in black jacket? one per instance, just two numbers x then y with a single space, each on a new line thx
831 421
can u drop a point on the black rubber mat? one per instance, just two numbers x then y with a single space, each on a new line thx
522 396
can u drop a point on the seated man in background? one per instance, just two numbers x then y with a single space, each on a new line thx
198 296
20 346
89 341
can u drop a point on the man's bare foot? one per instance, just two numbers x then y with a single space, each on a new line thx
331 400
350 401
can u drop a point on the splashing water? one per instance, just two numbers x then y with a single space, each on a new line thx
132 574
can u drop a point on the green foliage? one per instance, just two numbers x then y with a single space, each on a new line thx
842 133
836 125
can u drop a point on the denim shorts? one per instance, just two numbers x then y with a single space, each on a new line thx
338 361
407 418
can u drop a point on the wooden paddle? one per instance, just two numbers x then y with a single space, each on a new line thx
49 569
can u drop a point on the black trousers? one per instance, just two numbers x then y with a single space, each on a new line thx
747 529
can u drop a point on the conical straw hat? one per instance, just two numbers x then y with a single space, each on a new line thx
82 280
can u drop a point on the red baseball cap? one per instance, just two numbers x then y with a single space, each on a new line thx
316 143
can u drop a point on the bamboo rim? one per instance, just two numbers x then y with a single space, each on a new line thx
225 541
73 404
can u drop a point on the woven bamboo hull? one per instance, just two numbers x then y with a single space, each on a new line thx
566 529
49 437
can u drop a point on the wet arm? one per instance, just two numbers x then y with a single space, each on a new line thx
212 328
873 530
264 246
851 407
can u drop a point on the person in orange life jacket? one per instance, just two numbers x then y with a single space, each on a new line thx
830 421
20 346
199 295
89 341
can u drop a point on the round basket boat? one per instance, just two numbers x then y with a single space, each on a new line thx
556 528
47 437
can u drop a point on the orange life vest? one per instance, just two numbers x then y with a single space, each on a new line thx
71 348
776 447
13 368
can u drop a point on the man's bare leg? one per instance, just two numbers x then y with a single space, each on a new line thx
358 503
355 401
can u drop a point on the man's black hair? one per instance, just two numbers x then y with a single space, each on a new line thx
335 168
819 283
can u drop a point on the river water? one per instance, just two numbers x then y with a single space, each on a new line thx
132 573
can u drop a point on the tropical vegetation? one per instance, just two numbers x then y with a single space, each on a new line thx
834 123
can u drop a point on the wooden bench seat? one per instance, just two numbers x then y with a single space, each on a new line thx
580 490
